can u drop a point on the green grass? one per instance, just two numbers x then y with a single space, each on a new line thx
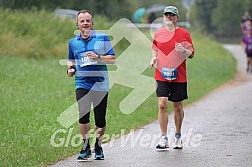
211 67
35 91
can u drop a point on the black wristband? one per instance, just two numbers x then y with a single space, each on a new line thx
71 67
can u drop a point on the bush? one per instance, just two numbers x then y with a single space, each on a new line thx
37 34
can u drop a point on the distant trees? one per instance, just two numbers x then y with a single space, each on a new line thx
110 8
221 17
203 13
227 16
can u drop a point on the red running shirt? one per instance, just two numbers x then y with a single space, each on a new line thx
168 57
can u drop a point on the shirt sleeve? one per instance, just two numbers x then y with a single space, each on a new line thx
108 47
154 45
70 52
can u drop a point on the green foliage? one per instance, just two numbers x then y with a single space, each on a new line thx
226 17
203 12
212 64
37 33
217 17
112 9
108 8
33 34
134 5
220 17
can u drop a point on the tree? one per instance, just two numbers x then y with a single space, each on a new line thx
203 13
108 8
227 15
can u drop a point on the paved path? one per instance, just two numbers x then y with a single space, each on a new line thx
217 131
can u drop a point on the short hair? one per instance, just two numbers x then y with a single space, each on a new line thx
84 11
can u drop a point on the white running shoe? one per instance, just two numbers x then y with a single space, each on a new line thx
177 143
163 143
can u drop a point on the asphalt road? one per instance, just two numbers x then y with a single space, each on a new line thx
217 131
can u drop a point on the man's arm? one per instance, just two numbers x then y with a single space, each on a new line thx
182 49
106 59
154 58
188 53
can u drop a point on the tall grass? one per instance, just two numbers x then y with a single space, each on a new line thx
35 89
36 33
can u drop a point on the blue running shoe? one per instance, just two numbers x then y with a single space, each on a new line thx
84 155
99 153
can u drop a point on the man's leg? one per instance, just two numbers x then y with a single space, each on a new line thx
250 63
83 97
85 130
100 107
178 115
84 104
163 114
178 119
85 152
247 64
163 122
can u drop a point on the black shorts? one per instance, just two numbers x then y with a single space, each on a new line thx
249 55
99 100
175 91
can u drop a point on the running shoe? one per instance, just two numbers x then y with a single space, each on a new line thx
163 143
84 155
98 153
177 143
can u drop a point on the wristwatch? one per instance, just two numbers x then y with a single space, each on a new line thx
71 67
184 51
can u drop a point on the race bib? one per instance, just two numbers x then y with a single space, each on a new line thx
85 60
169 73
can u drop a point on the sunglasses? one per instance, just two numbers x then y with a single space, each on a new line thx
169 14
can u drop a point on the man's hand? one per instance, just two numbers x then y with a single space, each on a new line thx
153 62
71 71
179 47
186 52
93 55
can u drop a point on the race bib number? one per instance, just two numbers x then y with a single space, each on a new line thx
169 73
85 60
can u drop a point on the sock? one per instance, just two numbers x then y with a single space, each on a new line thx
165 136
178 134
86 144
97 142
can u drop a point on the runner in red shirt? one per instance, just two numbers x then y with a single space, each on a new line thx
171 46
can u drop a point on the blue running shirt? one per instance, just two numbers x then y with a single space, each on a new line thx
90 74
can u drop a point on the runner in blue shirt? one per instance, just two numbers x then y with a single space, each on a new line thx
88 55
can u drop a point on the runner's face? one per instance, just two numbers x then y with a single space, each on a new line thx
170 18
84 22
